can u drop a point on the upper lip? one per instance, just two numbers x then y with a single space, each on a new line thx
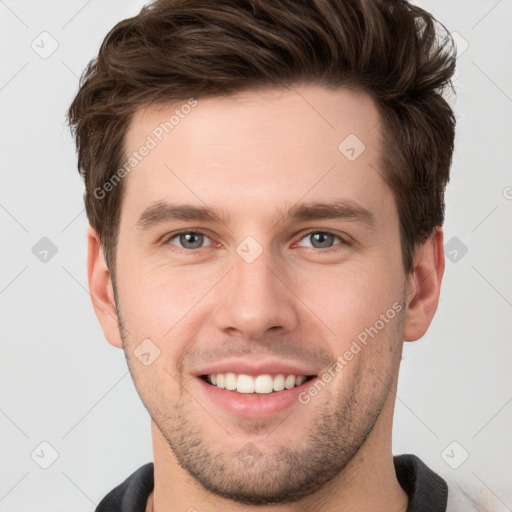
252 368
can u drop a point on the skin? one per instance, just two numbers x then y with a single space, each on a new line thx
250 156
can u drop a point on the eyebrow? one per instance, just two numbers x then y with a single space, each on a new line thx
161 212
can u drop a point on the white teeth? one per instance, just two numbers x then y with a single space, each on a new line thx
279 382
245 384
230 381
289 383
299 380
263 384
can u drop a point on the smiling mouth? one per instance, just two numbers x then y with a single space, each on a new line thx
261 384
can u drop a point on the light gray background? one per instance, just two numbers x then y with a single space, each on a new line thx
63 384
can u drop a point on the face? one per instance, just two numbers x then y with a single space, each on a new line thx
293 258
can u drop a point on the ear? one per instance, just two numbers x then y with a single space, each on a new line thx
101 290
424 286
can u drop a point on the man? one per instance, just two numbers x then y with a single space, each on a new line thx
265 187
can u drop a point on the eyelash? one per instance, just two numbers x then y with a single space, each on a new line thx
344 242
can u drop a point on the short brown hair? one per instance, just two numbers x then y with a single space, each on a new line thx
176 49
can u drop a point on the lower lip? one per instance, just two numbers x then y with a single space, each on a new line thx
254 405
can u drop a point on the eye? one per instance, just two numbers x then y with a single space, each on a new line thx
322 239
191 240
188 239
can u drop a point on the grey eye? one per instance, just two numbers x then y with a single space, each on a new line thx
189 240
321 239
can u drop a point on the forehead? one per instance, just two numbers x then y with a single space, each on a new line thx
266 148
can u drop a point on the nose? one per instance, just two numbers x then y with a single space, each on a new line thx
256 298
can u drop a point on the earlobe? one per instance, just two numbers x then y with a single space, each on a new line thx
101 290
424 286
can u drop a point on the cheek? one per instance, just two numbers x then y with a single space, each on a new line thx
155 299
351 297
